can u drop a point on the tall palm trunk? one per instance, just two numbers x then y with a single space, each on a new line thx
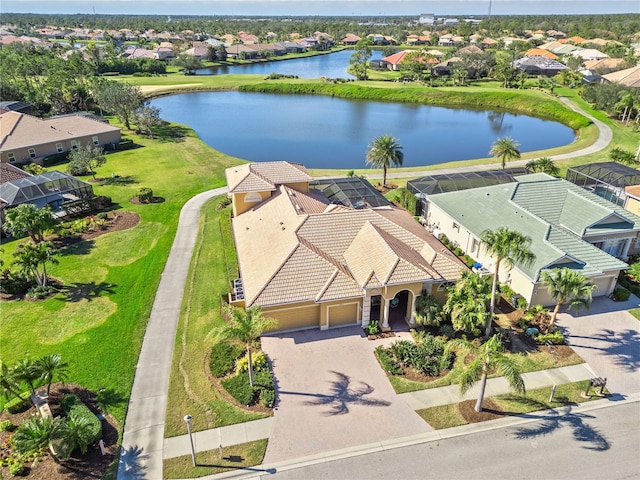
492 308
483 386
552 322
250 364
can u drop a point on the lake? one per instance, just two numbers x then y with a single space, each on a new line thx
327 132
332 65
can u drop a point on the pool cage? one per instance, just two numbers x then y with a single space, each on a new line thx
454 182
352 192
47 189
607 179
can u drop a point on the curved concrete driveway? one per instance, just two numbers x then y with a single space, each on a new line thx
142 440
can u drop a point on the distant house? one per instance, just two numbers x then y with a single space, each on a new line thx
629 77
241 51
199 51
469 50
350 39
28 139
291 47
540 52
538 65
603 66
427 19
589 54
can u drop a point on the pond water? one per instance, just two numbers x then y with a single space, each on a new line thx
332 65
327 132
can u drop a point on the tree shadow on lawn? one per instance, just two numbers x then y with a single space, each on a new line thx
78 291
554 420
108 397
170 133
75 247
118 180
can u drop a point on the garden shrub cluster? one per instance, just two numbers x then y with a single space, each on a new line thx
239 388
145 195
427 355
554 338
223 358
388 364
72 406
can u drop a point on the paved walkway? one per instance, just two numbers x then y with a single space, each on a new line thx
143 436
256 430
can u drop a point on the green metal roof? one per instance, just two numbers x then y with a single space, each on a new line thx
553 212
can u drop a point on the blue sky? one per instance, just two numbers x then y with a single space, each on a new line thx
321 7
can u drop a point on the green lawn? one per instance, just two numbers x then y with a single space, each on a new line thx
212 268
100 332
529 362
635 312
447 416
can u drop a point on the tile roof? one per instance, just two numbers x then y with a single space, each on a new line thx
553 212
9 173
264 176
295 248
19 130
629 77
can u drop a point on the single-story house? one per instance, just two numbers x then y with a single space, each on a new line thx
538 65
569 227
350 39
540 52
28 139
589 54
629 77
312 264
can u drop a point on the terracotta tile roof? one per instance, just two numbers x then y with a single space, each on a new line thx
9 173
19 130
264 176
541 52
315 252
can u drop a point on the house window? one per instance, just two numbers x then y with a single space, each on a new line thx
474 245
456 227
59 147
252 197
74 144
95 140
32 153
444 285
12 158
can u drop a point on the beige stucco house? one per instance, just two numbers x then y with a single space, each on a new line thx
569 227
312 264
28 139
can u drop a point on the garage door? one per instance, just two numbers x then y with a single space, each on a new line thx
343 314
295 318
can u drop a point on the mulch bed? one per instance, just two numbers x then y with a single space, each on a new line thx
380 335
90 465
117 221
490 411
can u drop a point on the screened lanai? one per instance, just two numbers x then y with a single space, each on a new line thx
453 182
49 188
352 192
606 179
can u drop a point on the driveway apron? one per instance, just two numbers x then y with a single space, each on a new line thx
332 394
607 337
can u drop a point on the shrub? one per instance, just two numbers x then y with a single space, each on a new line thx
457 251
521 303
100 202
447 330
7 426
14 282
72 405
103 216
621 294
373 328
39 292
223 357
267 398
16 467
259 361
387 362
555 338
469 262
634 271
445 240
17 405
145 195
77 167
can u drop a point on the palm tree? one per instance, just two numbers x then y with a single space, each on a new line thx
506 149
9 383
30 256
36 433
26 372
245 327
50 368
567 285
29 219
467 302
506 246
385 152
626 103
544 165
488 356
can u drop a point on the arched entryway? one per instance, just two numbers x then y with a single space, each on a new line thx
400 310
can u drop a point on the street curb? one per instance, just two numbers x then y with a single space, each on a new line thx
437 435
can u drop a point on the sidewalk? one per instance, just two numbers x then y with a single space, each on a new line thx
497 386
259 429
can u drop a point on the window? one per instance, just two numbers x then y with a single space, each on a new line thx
59 147
96 142
445 285
74 144
12 158
32 153
456 227
474 245
252 197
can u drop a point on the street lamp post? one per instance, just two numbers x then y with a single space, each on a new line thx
187 419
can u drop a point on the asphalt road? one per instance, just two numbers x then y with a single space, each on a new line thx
603 443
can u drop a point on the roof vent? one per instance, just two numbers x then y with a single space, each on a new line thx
487 194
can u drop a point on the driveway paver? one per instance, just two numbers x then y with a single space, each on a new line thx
332 394
607 337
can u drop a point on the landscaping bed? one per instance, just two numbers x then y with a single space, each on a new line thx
79 467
